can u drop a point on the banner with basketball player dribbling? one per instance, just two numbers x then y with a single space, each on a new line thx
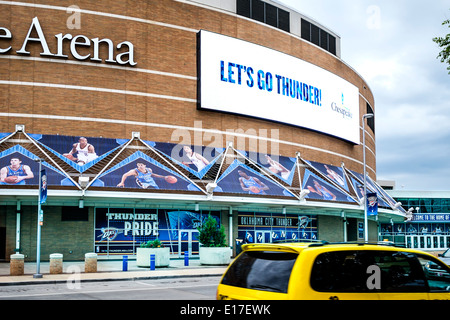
141 171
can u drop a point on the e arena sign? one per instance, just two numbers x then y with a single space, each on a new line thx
244 78
122 57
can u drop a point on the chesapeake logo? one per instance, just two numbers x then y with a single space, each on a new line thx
344 111
122 53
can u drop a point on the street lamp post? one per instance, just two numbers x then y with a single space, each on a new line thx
366 224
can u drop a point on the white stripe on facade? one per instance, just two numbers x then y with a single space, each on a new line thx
98 65
72 87
97 13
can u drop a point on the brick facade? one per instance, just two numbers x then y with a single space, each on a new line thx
165 42
72 97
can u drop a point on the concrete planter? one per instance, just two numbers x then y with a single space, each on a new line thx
215 255
162 257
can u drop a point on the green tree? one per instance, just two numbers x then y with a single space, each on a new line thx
444 43
210 234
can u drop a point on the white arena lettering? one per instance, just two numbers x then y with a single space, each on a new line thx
131 216
123 57
143 228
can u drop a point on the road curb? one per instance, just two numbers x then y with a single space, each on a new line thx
72 278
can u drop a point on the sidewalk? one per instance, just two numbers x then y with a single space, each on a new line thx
107 270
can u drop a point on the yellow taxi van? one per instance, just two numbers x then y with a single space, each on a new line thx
317 271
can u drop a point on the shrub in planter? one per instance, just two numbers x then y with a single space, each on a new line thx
213 248
162 255
152 244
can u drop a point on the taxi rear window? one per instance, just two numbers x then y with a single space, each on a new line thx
261 270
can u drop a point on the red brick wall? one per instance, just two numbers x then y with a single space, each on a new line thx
157 47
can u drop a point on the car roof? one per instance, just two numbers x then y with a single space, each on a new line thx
298 247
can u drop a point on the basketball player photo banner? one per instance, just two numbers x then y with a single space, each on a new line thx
79 152
18 167
333 173
357 180
239 178
282 167
322 190
43 193
142 172
372 204
195 159
383 197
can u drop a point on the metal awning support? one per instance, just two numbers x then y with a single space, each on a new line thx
109 163
334 184
21 129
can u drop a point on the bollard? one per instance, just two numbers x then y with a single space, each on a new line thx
16 265
186 258
56 263
125 263
90 262
152 262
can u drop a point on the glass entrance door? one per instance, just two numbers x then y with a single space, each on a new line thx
263 237
428 242
188 241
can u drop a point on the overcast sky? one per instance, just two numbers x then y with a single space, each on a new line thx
389 43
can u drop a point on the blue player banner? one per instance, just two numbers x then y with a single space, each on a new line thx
43 193
17 167
372 204
240 178
319 189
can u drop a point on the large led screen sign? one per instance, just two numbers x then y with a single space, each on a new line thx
244 78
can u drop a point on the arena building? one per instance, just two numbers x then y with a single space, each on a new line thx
148 116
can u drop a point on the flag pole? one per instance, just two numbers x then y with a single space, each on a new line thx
39 220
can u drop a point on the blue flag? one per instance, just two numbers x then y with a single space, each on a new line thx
372 204
43 191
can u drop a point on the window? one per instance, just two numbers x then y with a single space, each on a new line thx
332 44
319 37
370 121
436 273
283 20
243 8
74 214
264 12
271 15
306 30
315 32
261 270
347 271
324 40
257 11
